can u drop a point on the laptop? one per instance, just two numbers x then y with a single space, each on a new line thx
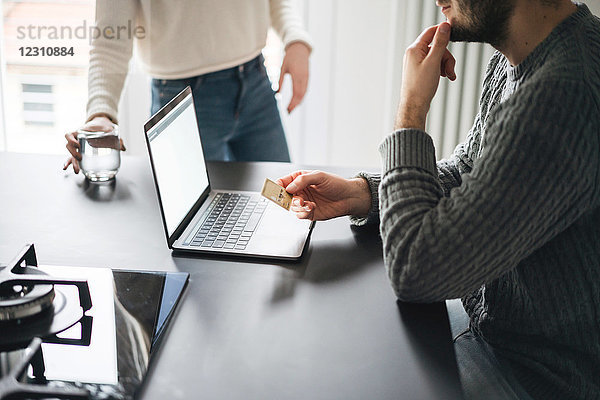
199 219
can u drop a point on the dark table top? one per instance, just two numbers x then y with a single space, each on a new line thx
326 327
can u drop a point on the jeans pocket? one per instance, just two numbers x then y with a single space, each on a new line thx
164 90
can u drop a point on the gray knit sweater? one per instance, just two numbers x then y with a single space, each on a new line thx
511 222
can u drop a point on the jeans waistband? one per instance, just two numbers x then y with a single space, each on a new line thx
256 63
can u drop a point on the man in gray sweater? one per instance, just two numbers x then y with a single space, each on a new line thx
511 222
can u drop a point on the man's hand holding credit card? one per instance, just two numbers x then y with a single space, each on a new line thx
277 194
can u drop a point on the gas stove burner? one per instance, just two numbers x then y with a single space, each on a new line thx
35 304
13 387
22 301
51 351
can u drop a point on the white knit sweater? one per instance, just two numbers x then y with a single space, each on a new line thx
180 39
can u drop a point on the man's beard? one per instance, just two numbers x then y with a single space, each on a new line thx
483 21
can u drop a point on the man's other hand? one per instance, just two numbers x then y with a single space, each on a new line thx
424 62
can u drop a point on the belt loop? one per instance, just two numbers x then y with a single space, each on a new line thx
241 91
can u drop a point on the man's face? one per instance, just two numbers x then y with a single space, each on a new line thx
478 20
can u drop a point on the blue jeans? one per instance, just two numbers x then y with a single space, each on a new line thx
484 375
236 110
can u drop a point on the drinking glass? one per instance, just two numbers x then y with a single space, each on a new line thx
100 154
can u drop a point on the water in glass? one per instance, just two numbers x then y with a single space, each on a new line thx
100 154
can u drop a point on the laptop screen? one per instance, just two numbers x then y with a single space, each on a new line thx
179 166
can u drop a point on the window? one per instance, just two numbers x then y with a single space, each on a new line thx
44 89
38 104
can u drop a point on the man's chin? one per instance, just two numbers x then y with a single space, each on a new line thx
461 35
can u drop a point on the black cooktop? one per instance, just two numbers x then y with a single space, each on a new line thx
80 333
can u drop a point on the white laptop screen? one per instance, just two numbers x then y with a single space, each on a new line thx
178 162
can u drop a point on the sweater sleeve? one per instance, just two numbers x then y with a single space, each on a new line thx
287 23
448 170
448 175
535 177
461 162
109 56
373 180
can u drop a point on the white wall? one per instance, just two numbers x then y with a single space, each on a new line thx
355 64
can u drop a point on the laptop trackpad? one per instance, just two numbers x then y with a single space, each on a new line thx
280 232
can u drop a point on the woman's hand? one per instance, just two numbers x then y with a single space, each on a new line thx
99 123
295 63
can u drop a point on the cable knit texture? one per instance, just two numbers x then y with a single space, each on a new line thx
373 217
511 222
181 39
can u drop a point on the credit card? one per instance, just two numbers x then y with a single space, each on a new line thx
276 194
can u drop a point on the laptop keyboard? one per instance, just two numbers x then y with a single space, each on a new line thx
231 221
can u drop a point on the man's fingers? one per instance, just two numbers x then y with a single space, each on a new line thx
305 215
426 37
432 42
440 41
286 180
280 181
448 64
302 208
306 212
298 202
302 181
